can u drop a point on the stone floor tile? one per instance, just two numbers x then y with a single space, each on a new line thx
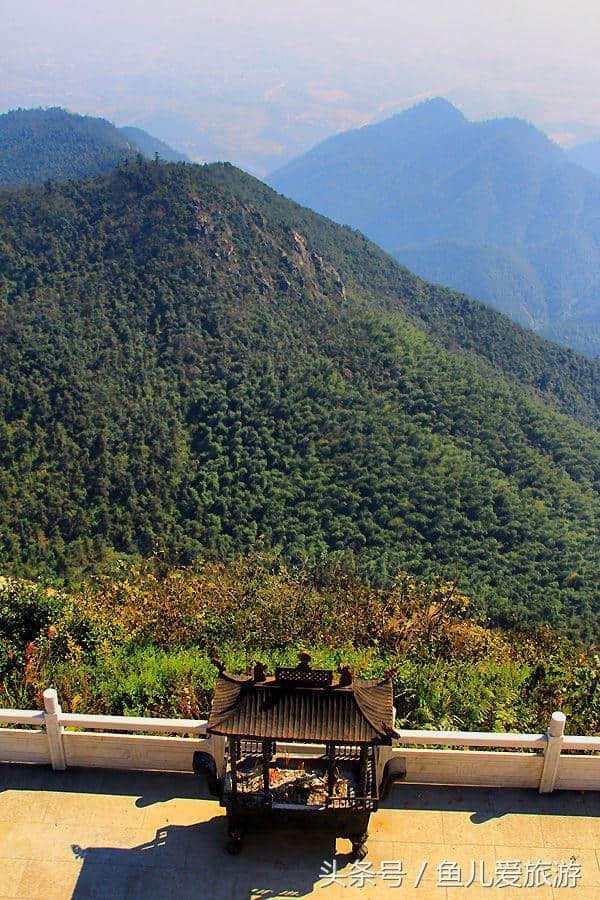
407 826
582 893
371 891
570 831
564 803
105 882
156 883
587 859
377 851
153 787
25 777
591 802
438 798
473 860
22 805
263 881
411 856
462 858
48 880
178 811
378 890
117 835
10 875
120 847
515 800
205 840
507 893
287 849
102 809
462 828
78 781
27 840
73 841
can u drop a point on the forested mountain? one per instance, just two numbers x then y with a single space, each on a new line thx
191 363
37 145
491 208
150 146
587 155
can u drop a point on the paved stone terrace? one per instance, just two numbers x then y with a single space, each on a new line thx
87 833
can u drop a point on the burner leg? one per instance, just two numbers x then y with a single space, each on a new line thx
236 834
234 844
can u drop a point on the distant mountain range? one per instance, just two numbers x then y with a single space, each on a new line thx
587 155
494 209
38 145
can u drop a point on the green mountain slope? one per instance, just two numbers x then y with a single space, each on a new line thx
187 365
149 145
491 208
563 379
37 145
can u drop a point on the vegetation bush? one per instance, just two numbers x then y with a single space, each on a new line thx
140 642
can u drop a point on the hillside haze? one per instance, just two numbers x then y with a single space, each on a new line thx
491 208
193 364
587 155
38 145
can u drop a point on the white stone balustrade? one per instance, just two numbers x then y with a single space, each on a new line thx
547 761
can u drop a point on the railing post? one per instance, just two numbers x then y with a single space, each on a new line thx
54 730
556 735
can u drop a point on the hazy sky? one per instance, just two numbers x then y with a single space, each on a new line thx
258 82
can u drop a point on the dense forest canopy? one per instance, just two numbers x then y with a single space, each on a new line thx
193 364
492 208
565 379
37 145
